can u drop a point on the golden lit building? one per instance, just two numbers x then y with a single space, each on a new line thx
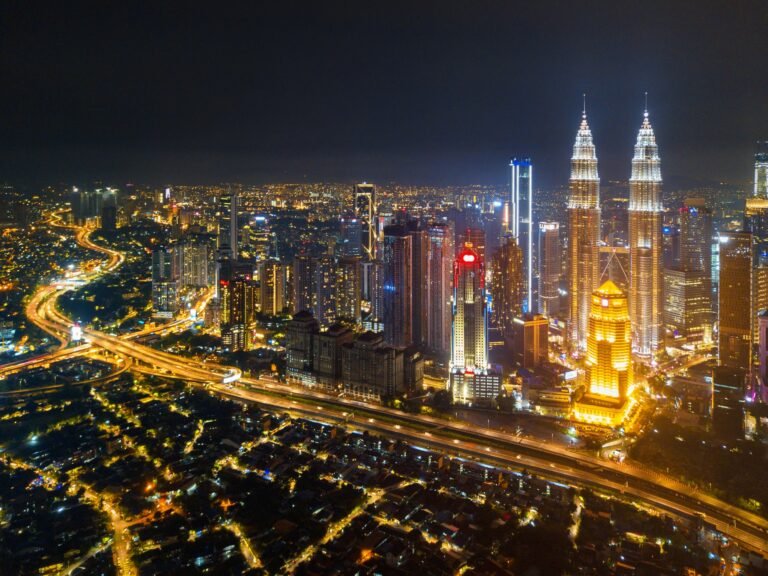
608 359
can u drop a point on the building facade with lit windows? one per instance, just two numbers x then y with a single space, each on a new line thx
273 284
761 171
397 285
583 235
736 303
507 285
687 281
440 256
550 263
645 244
608 363
165 296
520 223
472 379
348 289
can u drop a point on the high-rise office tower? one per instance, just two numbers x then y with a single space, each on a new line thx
756 222
351 232
756 210
238 304
192 261
550 266
325 290
520 224
469 351
109 210
365 209
397 285
303 284
471 377
761 171
645 213
228 208
507 285
419 280
584 233
608 360
687 283
86 204
531 340
348 289
440 255
272 282
735 300
165 299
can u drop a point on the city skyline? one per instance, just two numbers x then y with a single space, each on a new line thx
384 289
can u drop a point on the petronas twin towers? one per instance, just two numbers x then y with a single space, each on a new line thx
645 219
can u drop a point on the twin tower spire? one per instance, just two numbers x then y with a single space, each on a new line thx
645 213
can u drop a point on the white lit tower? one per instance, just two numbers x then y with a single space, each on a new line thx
520 222
584 233
645 243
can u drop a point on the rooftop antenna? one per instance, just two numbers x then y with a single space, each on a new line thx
646 105
584 109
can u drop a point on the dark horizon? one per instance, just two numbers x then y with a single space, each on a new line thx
440 94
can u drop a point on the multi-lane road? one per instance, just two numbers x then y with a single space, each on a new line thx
493 446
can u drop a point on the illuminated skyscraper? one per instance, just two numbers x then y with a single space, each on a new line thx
584 233
238 304
645 243
531 341
735 300
397 285
507 285
688 311
228 208
351 236
440 255
761 171
272 281
419 281
550 262
303 284
109 210
471 377
609 358
365 210
324 301
520 222
165 300
348 289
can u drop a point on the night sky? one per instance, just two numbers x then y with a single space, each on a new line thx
414 92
